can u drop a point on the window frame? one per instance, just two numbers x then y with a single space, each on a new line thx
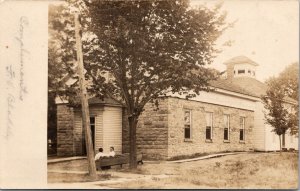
210 126
226 127
242 127
187 124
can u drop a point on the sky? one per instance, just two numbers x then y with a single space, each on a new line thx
266 31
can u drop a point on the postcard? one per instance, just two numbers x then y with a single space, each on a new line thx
147 94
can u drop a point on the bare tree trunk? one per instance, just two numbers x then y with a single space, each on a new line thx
84 103
132 136
279 143
283 140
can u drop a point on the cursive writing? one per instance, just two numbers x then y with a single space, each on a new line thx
23 52
10 99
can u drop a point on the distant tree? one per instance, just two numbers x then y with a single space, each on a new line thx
289 81
280 114
61 53
60 66
56 72
150 48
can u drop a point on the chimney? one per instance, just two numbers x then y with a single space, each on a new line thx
230 70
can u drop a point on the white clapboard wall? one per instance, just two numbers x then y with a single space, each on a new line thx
112 129
108 128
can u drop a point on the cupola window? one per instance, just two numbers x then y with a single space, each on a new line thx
241 71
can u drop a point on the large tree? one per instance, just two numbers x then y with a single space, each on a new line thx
150 48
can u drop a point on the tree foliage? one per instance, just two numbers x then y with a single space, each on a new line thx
282 111
148 48
288 80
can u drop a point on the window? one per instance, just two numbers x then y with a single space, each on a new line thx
209 124
241 71
187 124
249 71
92 125
242 128
226 127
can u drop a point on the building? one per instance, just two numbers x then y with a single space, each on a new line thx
106 126
230 118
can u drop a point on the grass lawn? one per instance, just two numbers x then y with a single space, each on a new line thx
249 170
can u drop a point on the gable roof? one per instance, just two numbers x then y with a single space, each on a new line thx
239 60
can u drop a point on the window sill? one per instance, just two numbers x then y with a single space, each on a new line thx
208 140
188 140
226 141
242 142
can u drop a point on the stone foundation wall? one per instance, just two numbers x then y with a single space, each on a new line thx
65 125
177 145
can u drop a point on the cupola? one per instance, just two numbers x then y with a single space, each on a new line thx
240 66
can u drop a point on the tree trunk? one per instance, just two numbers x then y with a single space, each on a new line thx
279 143
283 140
84 103
132 136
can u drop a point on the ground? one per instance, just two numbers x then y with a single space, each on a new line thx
247 170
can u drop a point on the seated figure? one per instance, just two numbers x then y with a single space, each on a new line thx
112 152
100 154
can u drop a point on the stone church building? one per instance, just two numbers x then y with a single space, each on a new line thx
230 118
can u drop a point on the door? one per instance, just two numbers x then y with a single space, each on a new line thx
92 125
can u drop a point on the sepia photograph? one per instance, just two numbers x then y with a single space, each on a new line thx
164 94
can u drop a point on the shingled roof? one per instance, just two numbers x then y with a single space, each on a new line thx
244 85
98 101
109 101
240 59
